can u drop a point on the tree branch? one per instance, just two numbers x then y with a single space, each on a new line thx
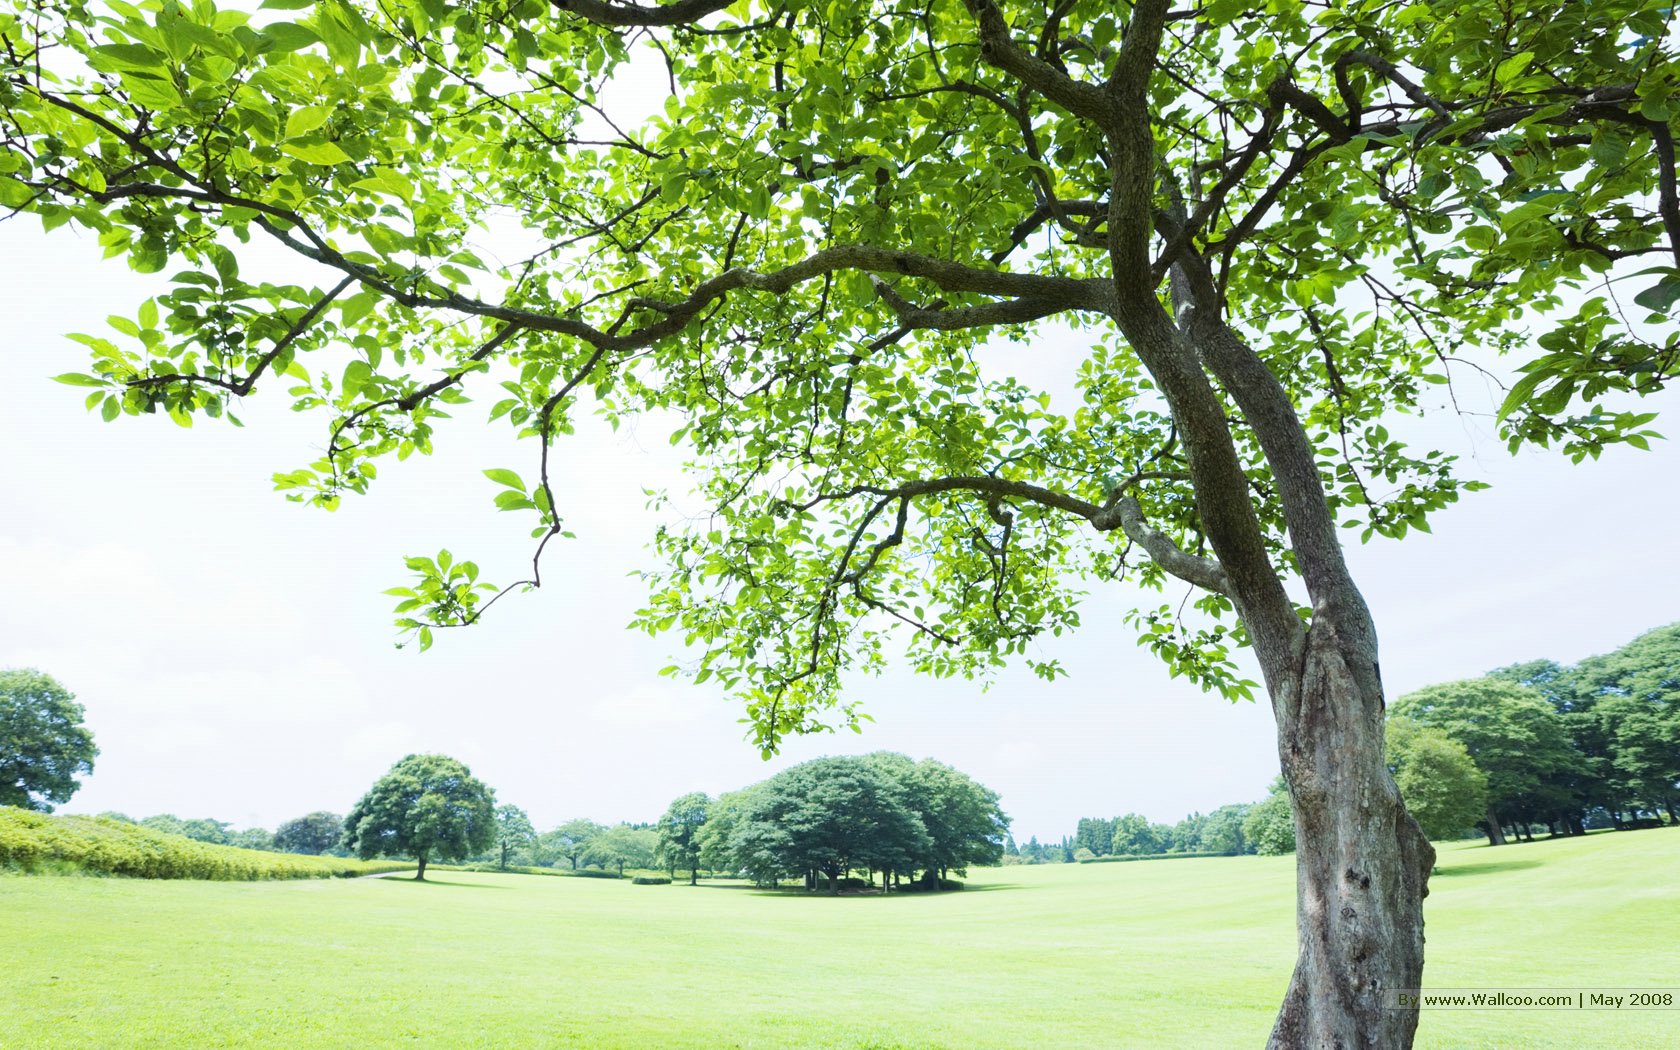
683 12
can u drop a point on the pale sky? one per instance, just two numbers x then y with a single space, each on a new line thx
234 651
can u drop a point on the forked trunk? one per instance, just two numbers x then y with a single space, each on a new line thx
1362 863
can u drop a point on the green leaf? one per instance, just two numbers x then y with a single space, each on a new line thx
1512 67
356 375
1479 238
1660 296
305 119
505 477
324 153
77 379
289 36
110 409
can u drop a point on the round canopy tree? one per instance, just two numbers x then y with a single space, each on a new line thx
1440 782
679 833
43 744
1272 224
429 807
311 833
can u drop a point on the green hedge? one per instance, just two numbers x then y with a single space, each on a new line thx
651 880
40 842
1127 857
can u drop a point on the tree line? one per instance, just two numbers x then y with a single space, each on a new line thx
1533 746
913 823
1565 749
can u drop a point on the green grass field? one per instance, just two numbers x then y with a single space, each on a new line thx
1182 953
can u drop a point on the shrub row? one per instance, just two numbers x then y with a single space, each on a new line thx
650 880
1124 858
39 842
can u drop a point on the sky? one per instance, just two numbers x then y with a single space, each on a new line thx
236 658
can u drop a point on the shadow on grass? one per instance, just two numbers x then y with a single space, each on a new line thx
409 880
800 893
1485 868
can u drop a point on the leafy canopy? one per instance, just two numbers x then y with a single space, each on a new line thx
43 744
429 807
811 259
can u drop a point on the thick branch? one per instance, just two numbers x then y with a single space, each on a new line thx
683 12
998 49
1203 572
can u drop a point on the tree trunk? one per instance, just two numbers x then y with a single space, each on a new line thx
1495 833
420 876
694 876
1362 863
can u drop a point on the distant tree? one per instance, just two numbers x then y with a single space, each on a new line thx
679 833
714 839
313 833
427 807
43 744
1094 834
1134 837
1269 825
1162 834
1515 737
1635 693
1035 851
572 838
1592 781
622 846
168 823
1187 834
830 816
199 829
1081 855
962 818
1222 831
1438 779
252 838
513 832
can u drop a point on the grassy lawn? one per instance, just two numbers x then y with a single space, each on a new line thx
1184 953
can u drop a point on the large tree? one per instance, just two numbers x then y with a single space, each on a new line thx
1270 222
679 833
1515 738
1267 825
622 846
1634 693
963 820
43 744
572 838
513 832
834 815
1440 782
429 807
